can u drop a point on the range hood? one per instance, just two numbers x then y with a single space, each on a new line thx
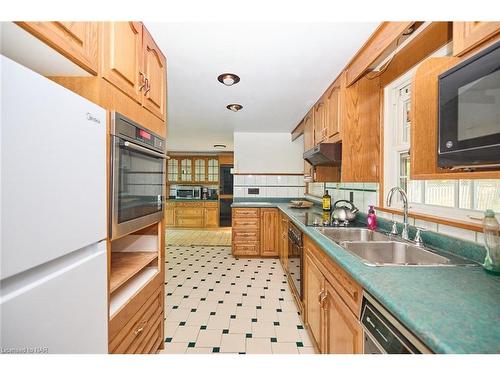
324 154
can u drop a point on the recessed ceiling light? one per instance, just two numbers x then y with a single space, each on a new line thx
234 107
219 146
228 79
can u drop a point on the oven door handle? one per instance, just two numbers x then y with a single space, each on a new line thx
144 150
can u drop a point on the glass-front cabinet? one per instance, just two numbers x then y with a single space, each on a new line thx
200 170
173 170
213 170
186 169
196 169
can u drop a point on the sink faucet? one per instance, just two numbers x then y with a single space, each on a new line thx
404 197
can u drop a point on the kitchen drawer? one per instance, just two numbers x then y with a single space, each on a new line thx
189 222
245 212
189 204
245 223
187 212
140 328
123 316
211 204
245 236
251 248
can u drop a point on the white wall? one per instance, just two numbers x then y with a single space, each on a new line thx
260 153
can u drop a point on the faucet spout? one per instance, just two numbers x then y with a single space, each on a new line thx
404 198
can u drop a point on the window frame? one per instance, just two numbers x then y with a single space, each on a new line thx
394 147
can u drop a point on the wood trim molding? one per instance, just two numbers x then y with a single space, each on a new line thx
298 131
436 219
268 174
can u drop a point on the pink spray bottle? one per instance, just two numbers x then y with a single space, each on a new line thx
372 218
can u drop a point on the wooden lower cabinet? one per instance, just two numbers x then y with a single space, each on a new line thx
314 287
245 232
283 241
192 214
269 231
332 304
211 217
138 328
342 331
255 232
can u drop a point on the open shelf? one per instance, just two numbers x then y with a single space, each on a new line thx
126 264
130 289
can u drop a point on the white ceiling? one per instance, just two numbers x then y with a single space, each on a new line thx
284 68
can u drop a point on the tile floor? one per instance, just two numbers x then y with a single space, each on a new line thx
199 237
218 304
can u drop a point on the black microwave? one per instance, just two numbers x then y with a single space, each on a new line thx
469 113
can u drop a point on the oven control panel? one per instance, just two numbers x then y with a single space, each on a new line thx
126 128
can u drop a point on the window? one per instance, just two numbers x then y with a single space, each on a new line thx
454 198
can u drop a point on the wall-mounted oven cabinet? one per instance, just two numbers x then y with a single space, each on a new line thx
137 176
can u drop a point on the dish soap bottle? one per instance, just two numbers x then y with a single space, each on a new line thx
327 201
491 230
371 218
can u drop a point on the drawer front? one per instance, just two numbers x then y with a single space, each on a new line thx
169 204
246 248
210 204
189 204
245 212
133 335
245 223
245 236
189 222
186 212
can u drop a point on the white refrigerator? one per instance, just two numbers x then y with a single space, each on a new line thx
53 283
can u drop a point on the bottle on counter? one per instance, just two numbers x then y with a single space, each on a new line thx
327 201
491 229
371 219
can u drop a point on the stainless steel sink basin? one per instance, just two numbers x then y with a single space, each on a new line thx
352 234
392 253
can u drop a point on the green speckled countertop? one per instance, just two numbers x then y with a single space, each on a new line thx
451 309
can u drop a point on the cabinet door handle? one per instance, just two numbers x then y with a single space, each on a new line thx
148 86
323 299
320 296
139 330
142 81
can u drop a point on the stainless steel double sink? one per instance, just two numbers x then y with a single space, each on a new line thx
378 249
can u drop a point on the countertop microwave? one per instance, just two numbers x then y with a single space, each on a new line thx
469 113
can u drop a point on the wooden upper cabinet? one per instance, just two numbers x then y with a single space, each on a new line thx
309 131
320 128
154 69
269 231
380 44
122 57
424 114
332 111
468 35
361 132
343 332
77 41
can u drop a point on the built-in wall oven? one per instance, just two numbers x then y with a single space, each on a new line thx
137 176
295 260
469 113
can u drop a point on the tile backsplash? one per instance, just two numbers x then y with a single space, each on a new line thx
268 186
365 194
